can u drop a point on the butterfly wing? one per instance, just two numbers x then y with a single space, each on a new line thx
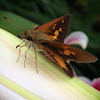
69 53
62 54
56 29
59 61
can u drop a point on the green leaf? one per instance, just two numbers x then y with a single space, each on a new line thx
18 20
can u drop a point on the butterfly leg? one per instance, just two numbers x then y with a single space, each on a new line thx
19 51
26 53
35 59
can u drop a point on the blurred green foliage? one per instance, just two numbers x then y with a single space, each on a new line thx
85 17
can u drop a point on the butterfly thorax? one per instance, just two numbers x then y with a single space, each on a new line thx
33 38
34 35
28 35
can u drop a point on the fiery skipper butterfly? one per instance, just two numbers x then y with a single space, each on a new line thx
49 39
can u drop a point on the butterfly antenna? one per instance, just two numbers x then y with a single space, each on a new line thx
13 23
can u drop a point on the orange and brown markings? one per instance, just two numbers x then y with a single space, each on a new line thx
60 29
59 61
63 21
60 49
67 52
55 35
54 26
56 29
70 53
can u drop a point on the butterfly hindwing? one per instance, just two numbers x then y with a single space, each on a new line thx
54 56
56 29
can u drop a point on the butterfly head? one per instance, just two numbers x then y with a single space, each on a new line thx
26 35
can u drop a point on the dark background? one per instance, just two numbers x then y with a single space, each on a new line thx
85 17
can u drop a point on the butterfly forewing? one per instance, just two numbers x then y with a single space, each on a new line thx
56 29
70 53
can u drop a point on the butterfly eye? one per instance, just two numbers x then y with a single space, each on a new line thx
22 35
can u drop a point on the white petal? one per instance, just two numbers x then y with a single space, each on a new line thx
78 37
85 79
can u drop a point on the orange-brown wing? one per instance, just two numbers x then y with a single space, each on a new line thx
69 53
56 29
59 61
62 54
